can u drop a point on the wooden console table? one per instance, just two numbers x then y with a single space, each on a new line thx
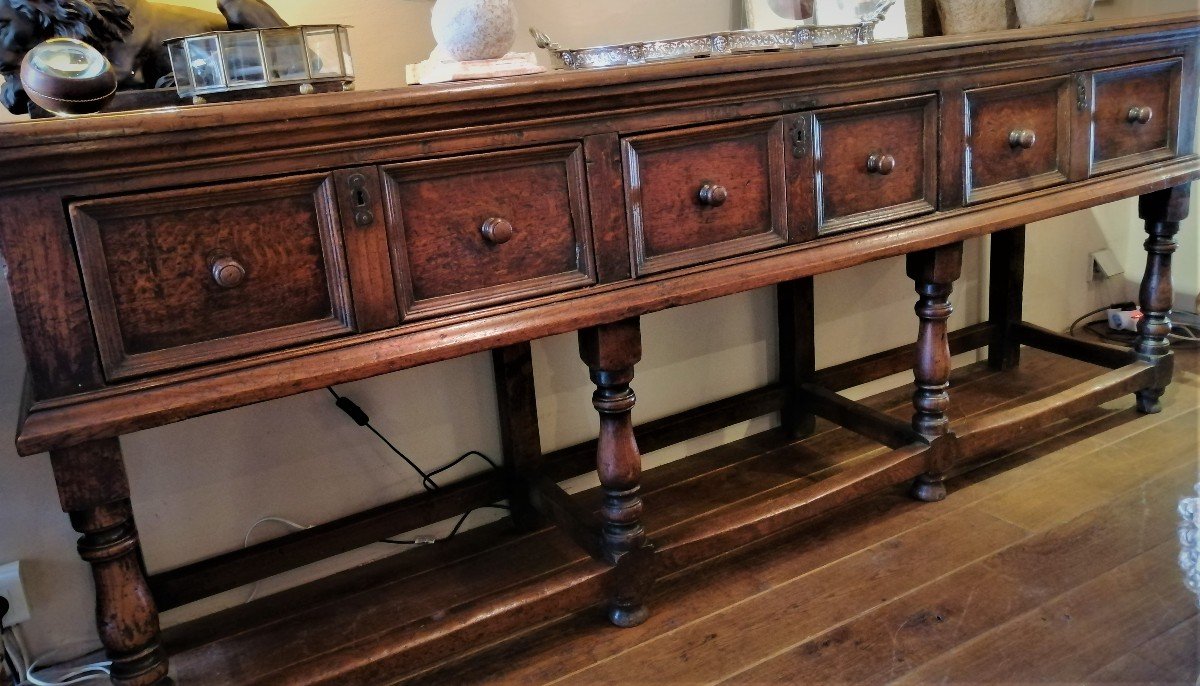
168 264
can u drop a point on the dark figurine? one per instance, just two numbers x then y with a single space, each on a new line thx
130 33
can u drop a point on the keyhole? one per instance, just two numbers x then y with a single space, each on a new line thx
363 216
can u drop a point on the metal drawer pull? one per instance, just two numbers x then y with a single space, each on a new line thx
881 164
498 231
227 272
713 195
1022 138
1140 115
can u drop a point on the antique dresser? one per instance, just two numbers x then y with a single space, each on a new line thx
167 264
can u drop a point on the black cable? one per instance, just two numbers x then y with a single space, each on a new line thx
453 532
12 666
1102 330
427 482
1071 331
362 419
463 457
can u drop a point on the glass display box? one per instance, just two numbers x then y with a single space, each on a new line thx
258 58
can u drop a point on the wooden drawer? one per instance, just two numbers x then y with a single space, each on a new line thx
1135 115
1018 138
705 193
481 230
875 163
186 277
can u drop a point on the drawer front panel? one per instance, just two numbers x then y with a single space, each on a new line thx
481 230
1135 115
180 278
705 193
876 163
1018 138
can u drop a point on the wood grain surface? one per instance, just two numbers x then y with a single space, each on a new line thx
236 253
1070 576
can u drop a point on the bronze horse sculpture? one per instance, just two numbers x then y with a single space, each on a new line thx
130 33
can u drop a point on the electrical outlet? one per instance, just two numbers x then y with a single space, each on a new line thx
14 591
1105 265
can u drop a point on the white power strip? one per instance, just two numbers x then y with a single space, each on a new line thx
13 590
1124 320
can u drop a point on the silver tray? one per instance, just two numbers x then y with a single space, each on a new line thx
713 44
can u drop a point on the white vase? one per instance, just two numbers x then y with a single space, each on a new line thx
1044 12
469 30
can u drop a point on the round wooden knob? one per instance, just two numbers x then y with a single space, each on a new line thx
498 231
881 164
1022 138
713 195
1140 115
228 272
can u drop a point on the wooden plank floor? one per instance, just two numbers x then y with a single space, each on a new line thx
396 603
1054 563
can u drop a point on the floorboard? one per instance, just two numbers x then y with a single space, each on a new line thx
1078 522
881 589
1170 658
963 606
1096 618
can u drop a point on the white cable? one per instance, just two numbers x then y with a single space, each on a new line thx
9 648
78 675
246 543
90 673
18 635
278 520
101 669
16 651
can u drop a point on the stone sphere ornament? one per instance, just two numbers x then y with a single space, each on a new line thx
468 30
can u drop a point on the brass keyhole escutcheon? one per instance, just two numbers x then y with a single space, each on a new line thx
800 140
360 198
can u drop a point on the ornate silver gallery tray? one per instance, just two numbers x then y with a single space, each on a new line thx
714 44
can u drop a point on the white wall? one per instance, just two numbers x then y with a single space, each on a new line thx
1051 269
199 485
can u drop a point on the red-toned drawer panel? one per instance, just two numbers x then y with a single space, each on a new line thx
704 193
1135 115
480 230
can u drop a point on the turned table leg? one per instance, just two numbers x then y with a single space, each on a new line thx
611 351
934 272
94 491
1162 212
